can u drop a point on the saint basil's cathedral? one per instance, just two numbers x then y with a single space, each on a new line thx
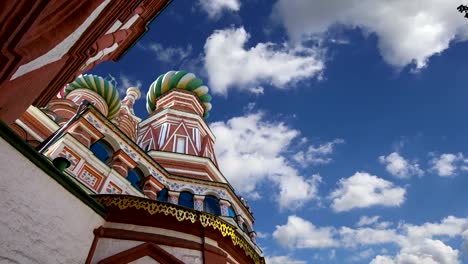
85 180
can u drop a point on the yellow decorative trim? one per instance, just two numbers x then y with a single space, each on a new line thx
182 214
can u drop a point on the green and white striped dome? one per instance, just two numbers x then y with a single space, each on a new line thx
180 80
100 86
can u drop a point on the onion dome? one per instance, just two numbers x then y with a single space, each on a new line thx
100 86
180 80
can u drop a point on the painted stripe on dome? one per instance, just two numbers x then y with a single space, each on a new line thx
176 78
208 106
201 90
185 80
150 106
194 84
100 86
205 98
165 81
157 88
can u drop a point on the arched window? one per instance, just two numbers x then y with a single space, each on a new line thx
103 151
211 205
163 195
231 212
186 199
136 177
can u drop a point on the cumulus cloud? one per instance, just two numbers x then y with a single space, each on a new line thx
416 244
126 82
168 54
408 31
230 64
364 190
382 260
367 236
300 233
427 251
245 144
399 167
363 255
283 259
316 155
367 220
446 164
214 8
450 226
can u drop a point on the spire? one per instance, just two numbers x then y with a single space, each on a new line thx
126 120
133 94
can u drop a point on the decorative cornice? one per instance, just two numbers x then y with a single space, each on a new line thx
182 214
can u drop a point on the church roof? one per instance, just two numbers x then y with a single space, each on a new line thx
100 86
180 80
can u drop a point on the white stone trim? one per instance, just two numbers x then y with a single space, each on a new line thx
62 48
201 122
28 130
114 27
131 21
154 230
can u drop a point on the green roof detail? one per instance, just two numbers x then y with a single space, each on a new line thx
100 86
180 80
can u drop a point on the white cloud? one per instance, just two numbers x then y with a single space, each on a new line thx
316 155
262 234
126 82
174 55
450 226
382 260
258 90
364 190
363 255
367 236
427 251
416 243
407 31
245 144
214 8
283 259
399 167
366 220
300 233
446 164
230 65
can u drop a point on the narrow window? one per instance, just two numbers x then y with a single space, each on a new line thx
231 212
245 228
211 205
163 195
103 151
186 199
180 145
135 177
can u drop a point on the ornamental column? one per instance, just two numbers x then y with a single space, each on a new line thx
173 197
122 163
253 236
240 222
224 207
198 202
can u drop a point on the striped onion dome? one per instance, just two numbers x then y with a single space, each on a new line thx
181 80
100 86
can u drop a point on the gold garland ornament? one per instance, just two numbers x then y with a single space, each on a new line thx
182 214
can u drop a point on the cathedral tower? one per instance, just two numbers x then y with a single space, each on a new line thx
166 199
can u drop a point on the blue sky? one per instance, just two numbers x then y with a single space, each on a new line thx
343 122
